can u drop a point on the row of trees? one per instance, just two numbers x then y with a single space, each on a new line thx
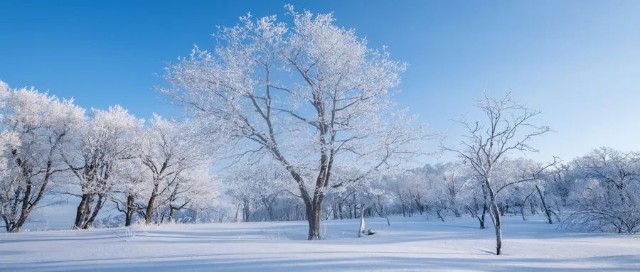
305 109
596 192
151 171
52 146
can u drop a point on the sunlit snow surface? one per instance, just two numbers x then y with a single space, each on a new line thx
414 244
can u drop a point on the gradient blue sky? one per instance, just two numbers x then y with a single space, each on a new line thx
576 61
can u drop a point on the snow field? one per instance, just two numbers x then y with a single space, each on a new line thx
409 244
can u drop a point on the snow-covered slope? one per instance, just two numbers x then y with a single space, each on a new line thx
413 244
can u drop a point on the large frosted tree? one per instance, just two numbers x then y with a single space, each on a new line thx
308 94
34 128
104 144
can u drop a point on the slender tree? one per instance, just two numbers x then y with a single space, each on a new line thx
168 153
506 129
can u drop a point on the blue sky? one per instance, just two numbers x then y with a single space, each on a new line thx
576 61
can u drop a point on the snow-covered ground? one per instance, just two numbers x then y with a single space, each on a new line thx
414 244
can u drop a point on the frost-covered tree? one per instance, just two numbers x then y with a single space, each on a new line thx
34 127
447 183
129 186
168 152
258 187
485 146
104 143
607 191
378 191
513 173
477 200
309 94
193 190
410 191
199 190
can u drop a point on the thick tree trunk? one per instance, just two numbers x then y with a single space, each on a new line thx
148 215
313 217
24 214
130 210
82 210
94 213
87 212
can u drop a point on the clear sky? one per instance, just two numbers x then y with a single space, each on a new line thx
576 61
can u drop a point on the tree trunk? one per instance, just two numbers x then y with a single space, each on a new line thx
246 212
362 225
148 215
130 210
94 213
26 203
172 213
524 202
544 205
82 210
482 216
439 213
495 217
485 195
532 207
87 212
24 214
313 217
494 211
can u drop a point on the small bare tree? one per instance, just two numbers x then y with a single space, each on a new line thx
485 146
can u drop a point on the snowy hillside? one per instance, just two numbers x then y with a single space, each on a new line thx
413 244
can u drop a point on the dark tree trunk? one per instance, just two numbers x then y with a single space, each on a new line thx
148 215
313 217
130 210
482 216
524 202
87 211
544 205
32 194
495 217
494 211
82 210
172 212
246 212
94 213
